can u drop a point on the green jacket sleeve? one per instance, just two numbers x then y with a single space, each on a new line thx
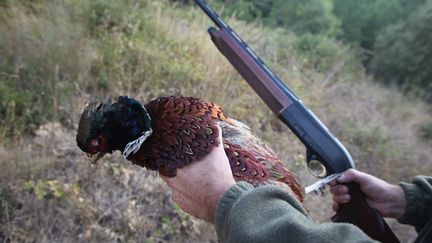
418 196
271 214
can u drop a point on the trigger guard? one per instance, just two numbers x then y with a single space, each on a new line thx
312 161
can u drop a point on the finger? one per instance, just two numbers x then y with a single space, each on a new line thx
219 134
333 183
356 176
335 206
347 176
339 190
341 199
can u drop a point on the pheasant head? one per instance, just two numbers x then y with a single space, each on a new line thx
105 127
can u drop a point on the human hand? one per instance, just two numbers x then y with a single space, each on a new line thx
388 199
198 187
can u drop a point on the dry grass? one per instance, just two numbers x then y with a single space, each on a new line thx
147 49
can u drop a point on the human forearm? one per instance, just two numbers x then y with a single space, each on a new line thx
394 206
270 214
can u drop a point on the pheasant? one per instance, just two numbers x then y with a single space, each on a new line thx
170 132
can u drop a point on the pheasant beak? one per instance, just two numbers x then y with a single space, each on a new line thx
95 157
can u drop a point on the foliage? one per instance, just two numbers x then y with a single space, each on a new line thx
299 16
361 20
426 131
7 205
377 26
404 53
43 53
248 10
311 16
14 109
318 52
46 188
49 51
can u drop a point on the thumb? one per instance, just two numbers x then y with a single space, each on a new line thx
220 134
353 175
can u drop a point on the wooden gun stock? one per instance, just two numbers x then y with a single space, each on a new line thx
321 145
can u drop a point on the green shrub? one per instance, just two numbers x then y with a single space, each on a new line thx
113 16
318 52
404 53
299 16
426 131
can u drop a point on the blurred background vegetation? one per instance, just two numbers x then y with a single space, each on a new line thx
362 66
394 35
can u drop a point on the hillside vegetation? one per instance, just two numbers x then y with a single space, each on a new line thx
393 35
56 56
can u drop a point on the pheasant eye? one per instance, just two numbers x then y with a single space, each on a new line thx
98 144
95 142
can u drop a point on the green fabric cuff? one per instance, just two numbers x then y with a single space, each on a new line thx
226 204
418 209
269 214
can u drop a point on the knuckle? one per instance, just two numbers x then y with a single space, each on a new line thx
342 189
333 189
350 173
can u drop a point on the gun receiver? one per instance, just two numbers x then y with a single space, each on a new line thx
324 150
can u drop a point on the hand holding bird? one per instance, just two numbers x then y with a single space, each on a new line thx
192 184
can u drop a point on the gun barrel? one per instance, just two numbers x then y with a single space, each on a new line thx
212 14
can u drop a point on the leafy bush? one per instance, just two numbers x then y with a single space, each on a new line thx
318 52
311 16
404 53
362 21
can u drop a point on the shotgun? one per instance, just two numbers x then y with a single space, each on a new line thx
325 154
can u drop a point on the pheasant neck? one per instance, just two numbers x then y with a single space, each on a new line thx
133 146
